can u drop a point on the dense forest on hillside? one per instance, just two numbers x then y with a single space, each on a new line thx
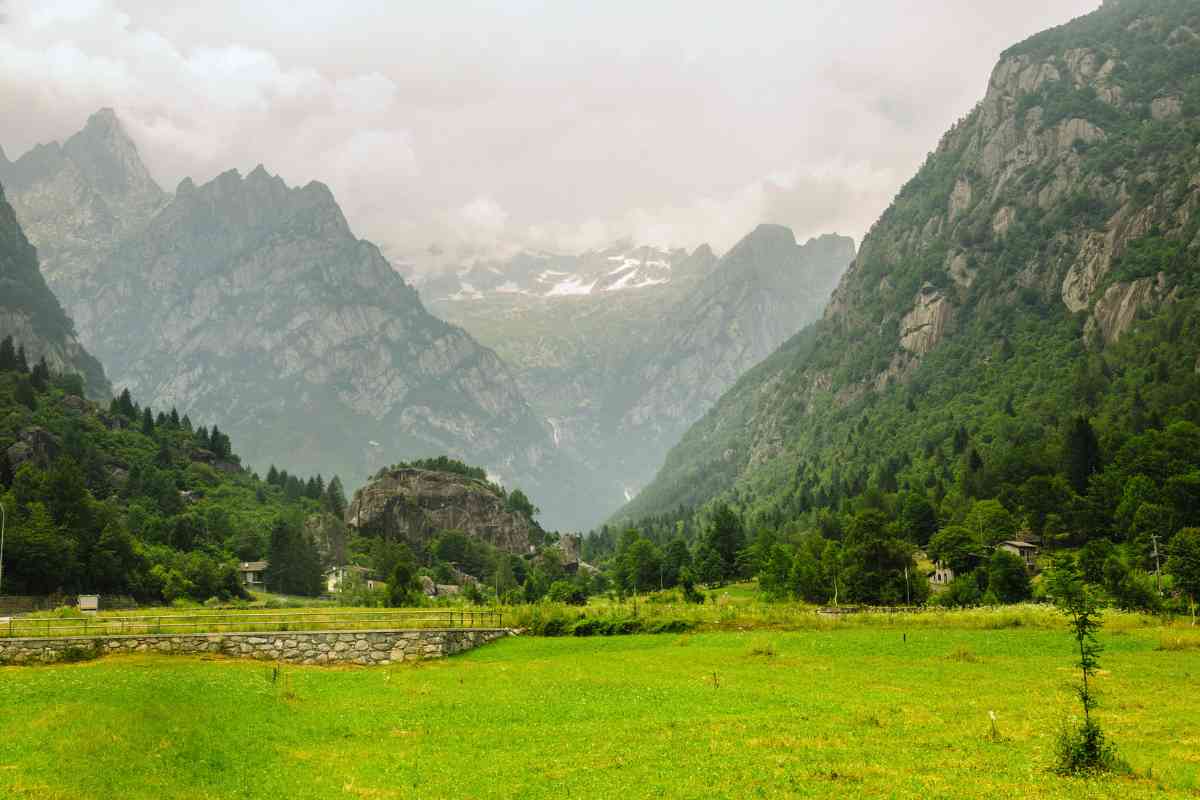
126 501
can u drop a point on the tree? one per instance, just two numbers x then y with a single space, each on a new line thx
8 355
1081 454
148 422
879 566
1184 564
676 559
918 518
335 497
404 584
520 503
726 537
1041 496
1008 579
24 393
956 547
990 522
294 566
1082 750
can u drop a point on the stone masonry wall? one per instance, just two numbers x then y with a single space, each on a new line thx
315 647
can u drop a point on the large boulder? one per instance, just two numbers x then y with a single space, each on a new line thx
414 505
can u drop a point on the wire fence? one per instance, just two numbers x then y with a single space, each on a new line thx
247 622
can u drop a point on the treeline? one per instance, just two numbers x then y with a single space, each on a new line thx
126 501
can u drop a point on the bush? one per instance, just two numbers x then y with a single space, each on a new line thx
1083 750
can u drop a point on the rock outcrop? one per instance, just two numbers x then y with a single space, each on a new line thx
414 505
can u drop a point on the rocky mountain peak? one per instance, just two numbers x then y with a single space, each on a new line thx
110 161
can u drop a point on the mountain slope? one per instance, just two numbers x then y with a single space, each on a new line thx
1042 263
645 342
31 314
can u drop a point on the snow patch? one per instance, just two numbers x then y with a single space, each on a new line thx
574 286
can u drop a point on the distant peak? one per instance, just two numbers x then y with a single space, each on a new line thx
186 186
703 251
259 173
105 116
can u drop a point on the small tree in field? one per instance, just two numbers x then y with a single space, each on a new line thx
1084 749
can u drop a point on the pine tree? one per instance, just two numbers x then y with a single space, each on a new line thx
174 418
148 422
126 404
22 361
335 497
40 377
8 355
273 476
1081 454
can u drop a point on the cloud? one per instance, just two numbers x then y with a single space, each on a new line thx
524 124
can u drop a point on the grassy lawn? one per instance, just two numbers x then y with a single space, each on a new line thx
857 712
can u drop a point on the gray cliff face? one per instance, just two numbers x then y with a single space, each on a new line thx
31 314
414 505
77 201
622 370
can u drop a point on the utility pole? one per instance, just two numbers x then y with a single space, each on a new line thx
1157 576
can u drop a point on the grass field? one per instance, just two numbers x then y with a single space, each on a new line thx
857 712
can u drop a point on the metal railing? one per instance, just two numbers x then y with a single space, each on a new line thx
247 622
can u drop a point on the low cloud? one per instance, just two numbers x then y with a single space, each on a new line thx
549 126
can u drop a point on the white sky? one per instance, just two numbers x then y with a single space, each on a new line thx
482 126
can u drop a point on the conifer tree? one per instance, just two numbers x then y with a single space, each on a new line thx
8 355
148 422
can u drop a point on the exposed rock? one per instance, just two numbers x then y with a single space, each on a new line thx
1163 108
1118 309
1003 220
36 445
960 198
925 325
414 505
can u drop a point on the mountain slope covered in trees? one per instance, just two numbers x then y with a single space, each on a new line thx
1021 326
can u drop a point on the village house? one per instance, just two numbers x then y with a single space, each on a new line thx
336 576
252 573
1027 552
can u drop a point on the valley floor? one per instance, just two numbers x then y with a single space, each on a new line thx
882 712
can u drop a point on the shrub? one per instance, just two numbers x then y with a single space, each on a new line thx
1083 750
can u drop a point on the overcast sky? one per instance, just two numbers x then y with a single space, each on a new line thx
479 126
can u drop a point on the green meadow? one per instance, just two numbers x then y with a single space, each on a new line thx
887 711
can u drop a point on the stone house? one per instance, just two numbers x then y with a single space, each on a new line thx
335 576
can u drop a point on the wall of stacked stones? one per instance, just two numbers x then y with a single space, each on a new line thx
316 647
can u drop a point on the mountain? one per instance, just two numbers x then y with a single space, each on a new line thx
622 349
31 314
1040 269
78 200
250 302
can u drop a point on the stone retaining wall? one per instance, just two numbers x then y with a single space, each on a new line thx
313 647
